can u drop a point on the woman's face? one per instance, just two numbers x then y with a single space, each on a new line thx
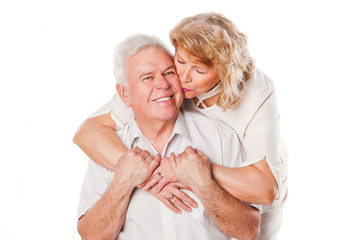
195 78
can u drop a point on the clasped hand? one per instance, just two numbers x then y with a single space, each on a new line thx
188 170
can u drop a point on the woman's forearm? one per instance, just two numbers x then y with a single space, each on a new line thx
253 184
98 139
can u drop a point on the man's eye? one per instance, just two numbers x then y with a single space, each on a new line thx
147 78
169 73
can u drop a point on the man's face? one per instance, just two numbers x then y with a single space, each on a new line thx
154 91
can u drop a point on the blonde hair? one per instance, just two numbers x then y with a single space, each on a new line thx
216 42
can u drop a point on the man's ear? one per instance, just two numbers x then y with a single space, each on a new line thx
122 91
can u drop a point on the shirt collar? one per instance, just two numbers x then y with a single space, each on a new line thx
134 132
181 127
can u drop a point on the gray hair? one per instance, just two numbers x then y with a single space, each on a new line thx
128 48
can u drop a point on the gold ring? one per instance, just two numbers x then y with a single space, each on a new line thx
171 197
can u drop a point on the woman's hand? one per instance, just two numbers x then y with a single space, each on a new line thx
172 196
162 176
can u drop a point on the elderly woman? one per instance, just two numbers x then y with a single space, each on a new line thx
219 80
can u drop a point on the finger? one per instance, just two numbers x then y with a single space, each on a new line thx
152 182
137 150
172 161
149 158
169 204
180 185
200 153
184 198
189 150
145 154
142 185
183 155
155 162
162 183
177 202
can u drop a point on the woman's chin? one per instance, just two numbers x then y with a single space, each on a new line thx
189 95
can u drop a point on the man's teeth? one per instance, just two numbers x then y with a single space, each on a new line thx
162 99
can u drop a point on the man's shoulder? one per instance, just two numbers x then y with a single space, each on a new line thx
214 138
198 118
200 121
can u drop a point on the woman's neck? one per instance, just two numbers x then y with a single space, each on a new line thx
208 102
209 98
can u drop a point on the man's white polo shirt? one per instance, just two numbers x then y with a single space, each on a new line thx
147 217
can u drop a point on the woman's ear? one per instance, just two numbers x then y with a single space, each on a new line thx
122 91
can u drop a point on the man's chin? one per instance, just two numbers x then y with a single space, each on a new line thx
167 115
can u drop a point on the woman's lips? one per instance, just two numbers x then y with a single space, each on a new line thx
185 89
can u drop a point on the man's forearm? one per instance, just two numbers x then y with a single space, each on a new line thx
105 219
234 218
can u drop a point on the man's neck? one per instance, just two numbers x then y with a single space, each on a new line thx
157 132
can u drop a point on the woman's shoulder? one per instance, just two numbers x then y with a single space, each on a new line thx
258 89
259 84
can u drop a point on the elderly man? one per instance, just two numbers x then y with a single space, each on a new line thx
112 207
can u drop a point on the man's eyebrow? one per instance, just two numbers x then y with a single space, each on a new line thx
145 74
169 67
172 66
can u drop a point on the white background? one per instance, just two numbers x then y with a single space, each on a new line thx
56 69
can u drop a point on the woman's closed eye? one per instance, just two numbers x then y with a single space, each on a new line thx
200 71
180 61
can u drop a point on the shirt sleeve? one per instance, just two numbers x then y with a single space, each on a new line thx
120 113
96 181
262 140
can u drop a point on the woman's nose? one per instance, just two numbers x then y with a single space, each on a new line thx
185 76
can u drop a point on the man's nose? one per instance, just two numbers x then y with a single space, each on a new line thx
162 82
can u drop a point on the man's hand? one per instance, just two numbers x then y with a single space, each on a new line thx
135 167
174 198
192 168
162 175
